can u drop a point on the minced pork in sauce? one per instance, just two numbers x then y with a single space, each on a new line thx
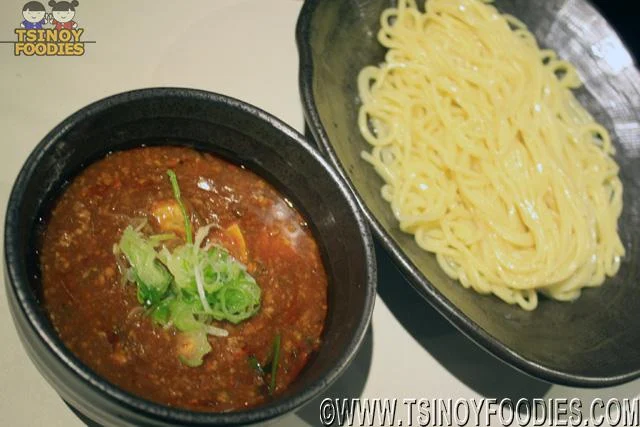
99 318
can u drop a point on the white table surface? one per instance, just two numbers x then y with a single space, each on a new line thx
246 49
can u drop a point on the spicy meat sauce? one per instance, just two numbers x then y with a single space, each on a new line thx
97 315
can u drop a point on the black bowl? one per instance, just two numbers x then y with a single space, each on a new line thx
591 342
231 129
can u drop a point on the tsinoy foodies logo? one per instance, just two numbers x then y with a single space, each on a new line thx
54 33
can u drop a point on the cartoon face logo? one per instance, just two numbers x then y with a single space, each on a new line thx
63 13
49 33
34 15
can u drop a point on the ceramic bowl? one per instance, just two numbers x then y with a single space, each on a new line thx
231 129
590 342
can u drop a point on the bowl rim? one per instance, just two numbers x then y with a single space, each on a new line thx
416 278
17 282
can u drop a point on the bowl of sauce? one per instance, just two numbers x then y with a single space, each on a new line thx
176 257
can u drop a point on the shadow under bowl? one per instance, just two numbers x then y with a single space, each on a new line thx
592 342
233 130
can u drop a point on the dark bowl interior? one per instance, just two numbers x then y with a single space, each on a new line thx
591 342
240 133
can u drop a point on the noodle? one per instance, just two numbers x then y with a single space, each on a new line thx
487 157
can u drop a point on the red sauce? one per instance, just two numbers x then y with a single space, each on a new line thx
95 313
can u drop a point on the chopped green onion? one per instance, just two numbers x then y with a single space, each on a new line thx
199 277
274 363
161 313
201 234
190 286
224 288
180 264
255 364
152 277
183 317
216 332
176 193
156 239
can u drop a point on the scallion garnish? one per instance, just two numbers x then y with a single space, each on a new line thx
190 286
150 275
274 363
255 364
176 193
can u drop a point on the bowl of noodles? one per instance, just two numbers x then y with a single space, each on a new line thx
494 149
